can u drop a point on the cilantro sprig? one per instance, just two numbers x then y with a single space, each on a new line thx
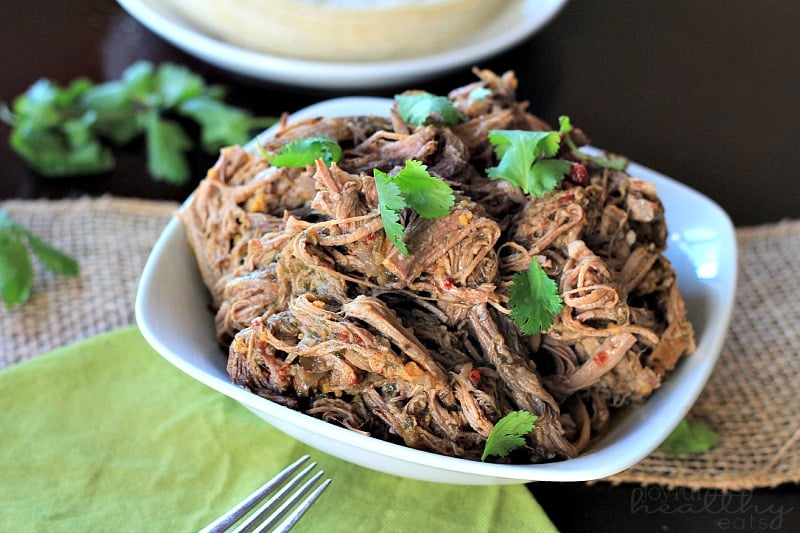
412 187
565 127
421 107
66 130
390 203
508 434
525 160
16 268
534 299
302 152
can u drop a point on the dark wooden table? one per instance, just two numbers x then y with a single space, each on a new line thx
707 92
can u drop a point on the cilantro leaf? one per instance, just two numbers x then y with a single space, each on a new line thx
63 152
166 144
412 187
534 299
521 162
51 257
16 270
690 436
52 136
139 81
508 434
221 124
175 84
390 203
113 109
546 175
430 197
43 102
420 107
302 152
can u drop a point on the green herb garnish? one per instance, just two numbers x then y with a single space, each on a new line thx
508 434
534 299
63 131
302 152
565 126
415 188
524 160
690 436
390 203
420 107
16 269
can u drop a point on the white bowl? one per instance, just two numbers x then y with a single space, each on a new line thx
516 22
173 315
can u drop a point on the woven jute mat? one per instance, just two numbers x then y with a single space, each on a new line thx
752 399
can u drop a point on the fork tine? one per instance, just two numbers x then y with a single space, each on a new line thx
295 515
252 521
285 506
225 521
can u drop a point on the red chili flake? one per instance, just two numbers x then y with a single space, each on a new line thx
601 358
578 174
371 237
261 343
343 336
475 376
567 198
448 284
283 371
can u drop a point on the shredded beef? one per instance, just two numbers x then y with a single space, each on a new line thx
320 312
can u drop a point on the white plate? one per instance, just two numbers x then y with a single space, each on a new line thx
172 313
516 22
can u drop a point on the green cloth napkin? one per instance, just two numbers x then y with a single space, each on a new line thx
105 435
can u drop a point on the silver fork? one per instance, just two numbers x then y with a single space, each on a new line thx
280 508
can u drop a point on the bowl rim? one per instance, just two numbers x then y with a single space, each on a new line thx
637 435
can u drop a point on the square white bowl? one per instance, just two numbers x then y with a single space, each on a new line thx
172 312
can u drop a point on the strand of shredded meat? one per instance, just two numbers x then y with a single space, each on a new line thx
320 312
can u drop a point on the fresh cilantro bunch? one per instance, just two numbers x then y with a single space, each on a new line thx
303 152
420 107
65 131
412 187
508 434
16 269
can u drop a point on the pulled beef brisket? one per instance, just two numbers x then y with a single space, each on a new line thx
320 312
352 130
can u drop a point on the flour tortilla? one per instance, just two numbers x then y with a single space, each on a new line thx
340 30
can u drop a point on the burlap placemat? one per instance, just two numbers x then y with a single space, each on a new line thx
111 239
751 399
